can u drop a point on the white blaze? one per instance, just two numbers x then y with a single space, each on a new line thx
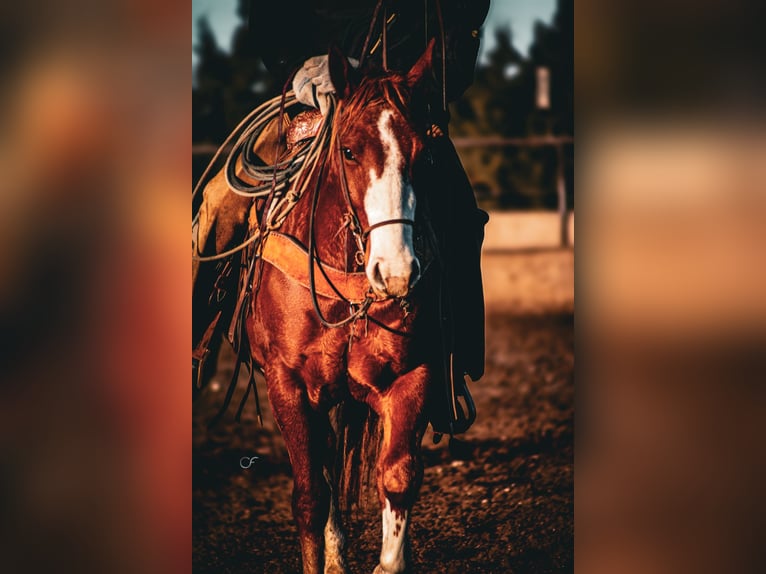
390 196
392 554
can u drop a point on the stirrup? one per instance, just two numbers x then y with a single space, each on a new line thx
463 414
461 408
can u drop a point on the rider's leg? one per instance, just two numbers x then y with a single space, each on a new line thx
460 227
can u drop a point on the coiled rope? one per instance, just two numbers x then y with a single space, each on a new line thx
285 181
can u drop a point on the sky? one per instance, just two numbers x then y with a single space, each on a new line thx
520 15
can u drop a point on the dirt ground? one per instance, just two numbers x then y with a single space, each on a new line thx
501 501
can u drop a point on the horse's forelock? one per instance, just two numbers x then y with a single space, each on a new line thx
388 90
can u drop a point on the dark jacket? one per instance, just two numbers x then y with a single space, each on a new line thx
287 32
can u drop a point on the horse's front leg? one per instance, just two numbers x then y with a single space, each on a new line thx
334 539
305 435
400 470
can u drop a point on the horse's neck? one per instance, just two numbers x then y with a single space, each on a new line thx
333 241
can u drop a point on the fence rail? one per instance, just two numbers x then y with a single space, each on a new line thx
534 141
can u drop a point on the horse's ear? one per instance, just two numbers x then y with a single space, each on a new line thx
343 75
421 70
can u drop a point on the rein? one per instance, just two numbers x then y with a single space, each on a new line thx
313 259
384 38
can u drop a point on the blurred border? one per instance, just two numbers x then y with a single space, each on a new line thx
94 299
95 303
671 276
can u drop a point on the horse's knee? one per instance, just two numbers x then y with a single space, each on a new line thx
400 479
311 505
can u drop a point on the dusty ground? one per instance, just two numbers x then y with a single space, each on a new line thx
502 502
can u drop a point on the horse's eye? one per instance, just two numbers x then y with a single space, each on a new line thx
348 154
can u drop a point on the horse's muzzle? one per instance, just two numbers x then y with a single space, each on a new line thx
393 284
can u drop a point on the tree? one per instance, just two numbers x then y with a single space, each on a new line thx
553 47
212 76
502 102
227 86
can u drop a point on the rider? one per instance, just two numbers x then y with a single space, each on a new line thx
293 36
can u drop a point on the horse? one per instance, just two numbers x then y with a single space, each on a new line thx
344 314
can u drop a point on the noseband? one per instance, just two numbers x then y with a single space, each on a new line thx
366 233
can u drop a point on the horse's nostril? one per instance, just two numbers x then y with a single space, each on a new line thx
375 277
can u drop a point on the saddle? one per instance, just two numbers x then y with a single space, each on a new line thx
304 126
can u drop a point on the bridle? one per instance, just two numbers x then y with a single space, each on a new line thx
361 235
358 309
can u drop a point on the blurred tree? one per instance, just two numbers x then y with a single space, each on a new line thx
251 83
502 102
227 87
552 47
212 76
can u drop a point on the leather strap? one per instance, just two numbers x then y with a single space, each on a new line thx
290 257
366 233
200 352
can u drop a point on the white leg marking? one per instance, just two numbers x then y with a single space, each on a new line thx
334 544
392 554
390 196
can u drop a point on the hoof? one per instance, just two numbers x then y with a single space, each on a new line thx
335 565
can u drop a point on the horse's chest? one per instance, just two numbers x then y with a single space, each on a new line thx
334 367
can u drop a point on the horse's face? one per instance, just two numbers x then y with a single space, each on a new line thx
378 160
379 144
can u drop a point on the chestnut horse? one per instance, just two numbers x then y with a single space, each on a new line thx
382 352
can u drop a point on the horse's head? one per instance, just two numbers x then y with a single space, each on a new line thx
377 143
